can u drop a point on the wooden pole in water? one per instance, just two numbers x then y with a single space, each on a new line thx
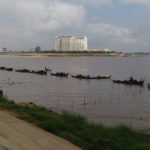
72 104
84 101
1 92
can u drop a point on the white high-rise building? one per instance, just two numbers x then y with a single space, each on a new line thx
70 43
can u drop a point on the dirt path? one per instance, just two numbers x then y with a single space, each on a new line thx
16 134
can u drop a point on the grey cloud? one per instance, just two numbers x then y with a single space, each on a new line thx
52 16
93 2
117 38
145 2
25 20
29 23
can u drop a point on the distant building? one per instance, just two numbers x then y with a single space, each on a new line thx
38 49
70 43
4 49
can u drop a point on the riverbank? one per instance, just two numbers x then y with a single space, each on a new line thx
61 54
16 134
77 130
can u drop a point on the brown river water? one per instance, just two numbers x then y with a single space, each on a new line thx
98 100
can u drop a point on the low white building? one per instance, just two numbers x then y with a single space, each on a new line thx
101 50
70 43
107 50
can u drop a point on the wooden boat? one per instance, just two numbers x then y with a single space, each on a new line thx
23 70
9 69
131 81
40 72
2 68
104 77
79 76
60 74
47 69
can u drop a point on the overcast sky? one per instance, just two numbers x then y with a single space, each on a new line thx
122 25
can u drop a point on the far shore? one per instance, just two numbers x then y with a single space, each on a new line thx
61 54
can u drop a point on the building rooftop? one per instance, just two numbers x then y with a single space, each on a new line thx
71 36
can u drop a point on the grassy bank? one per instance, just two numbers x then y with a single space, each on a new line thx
76 129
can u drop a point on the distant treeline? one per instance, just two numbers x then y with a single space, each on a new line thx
139 53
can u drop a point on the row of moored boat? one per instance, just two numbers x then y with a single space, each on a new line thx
130 81
59 74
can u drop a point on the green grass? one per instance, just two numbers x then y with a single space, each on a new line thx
76 129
